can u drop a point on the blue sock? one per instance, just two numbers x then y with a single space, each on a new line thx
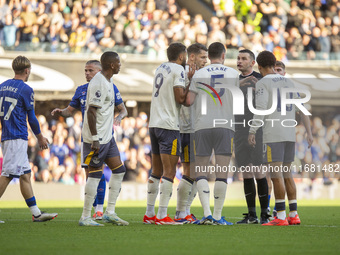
31 201
32 205
269 200
101 191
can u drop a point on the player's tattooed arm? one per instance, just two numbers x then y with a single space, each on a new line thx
122 114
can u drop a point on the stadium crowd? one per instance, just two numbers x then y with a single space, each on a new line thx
290 29
61 162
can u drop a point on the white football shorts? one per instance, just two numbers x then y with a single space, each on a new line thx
15 162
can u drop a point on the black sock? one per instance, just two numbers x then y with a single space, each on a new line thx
250 194
262 189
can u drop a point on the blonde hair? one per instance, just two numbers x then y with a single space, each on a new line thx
20 63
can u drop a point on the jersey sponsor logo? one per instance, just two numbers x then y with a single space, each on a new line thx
118 96
98 93
182 75
32 96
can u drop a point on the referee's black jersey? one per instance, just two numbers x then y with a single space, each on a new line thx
248 115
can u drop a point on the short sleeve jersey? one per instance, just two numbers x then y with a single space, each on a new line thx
164 112
273 130
16 99
104 96
212 85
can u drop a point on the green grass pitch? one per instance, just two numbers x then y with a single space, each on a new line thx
319 232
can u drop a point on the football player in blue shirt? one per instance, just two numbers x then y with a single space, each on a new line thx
17 105
92 67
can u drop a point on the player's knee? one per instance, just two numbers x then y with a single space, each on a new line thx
118 170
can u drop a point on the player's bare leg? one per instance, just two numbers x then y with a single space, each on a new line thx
27 193
4 181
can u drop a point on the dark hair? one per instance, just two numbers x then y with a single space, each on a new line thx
94 62
215 50
174 50
196 48
107 58
19 64
266 59
280 64
251 54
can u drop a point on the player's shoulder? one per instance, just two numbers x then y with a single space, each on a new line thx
81 90
232 71
257 75
82 87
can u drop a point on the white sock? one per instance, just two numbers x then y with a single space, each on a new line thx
35 211
292 214
90 196
281 215
164 197
191 197
99 208
151 196
183 193
220 190
115 184
204 195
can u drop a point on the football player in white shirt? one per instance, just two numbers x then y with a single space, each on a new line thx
293 218
169 92
187 188
99 144
220 80
278 140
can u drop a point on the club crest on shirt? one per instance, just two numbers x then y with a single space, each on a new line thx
182 75
98 94
96 160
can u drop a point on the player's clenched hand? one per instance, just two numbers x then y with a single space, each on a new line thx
43 142
251 140
56 112
95 147
248 81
